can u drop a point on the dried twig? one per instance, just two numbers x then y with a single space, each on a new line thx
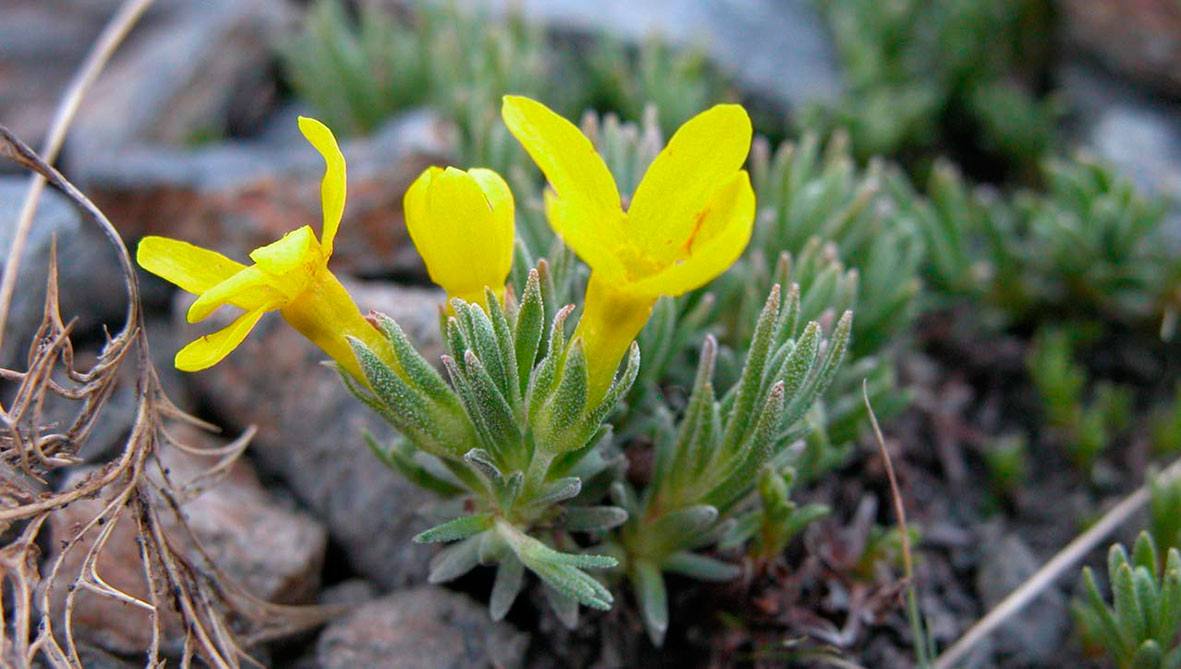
112 36
218 618
1065 559
918 629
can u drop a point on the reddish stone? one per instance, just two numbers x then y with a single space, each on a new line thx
1140 39
272 551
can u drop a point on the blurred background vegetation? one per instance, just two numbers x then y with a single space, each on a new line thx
980 182
937 196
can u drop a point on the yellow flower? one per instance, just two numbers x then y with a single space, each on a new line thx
290 276
689 219
462 224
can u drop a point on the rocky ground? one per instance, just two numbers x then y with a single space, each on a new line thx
309 515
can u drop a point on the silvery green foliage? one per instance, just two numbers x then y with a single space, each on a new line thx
808 191
1085 415
1164 510
846 238
705 468
1139 629
510 441
1090 248
679 82
356 74
925 74
771 525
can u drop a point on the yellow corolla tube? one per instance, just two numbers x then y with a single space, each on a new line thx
689 219
462 225
290 276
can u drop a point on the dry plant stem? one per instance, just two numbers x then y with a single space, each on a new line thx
113 35
895 493
916 622
218 618
1066 559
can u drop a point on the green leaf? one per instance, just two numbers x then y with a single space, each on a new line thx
749 386
648 584
701 567
1169 613
455 560
556 492
593 518
453 530
570 581
837 345
456 343
510 578
482 338
1148 656
618 389
563 606
407 409
755 452
691 444
624 496
569 399
510 382
493 548
400 457
420 372
561 571
1144 554
484 464
1147 599
528 329
546 374
1114 639
494 408
799 365
789 317
471 401
677 526
1132 621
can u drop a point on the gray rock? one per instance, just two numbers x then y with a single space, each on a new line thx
1140 40
97 658
89 283
42 42
776 49
237 195
273 552
310 432
353 591
1139 135
1036 634
205 72
194 70
423 627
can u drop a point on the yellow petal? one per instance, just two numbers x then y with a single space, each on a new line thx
724 231
596 241
332 187
611 319
703 154
326 314
294 250
500 198
463 240
209 350
577 174
249 289
191 267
